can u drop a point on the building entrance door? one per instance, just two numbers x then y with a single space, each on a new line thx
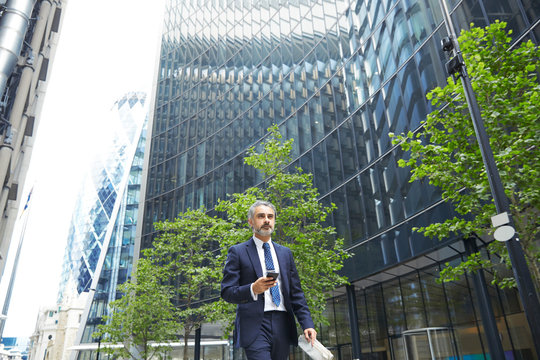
434 343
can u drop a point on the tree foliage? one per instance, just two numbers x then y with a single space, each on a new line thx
143 321
300 220
173 277
185 263
445 150
186 256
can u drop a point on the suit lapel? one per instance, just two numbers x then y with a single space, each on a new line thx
283 267
251 249
280 258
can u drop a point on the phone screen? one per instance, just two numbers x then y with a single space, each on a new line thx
272 274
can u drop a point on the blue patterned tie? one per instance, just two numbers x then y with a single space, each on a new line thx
270 266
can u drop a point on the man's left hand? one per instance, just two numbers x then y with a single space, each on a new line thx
310 335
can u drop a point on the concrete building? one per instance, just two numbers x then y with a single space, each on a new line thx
45 332
29 32
337 77
56 329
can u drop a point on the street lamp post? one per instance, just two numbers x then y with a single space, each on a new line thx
525 285
197 350
98 347
3 319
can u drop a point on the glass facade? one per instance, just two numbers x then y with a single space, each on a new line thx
100 197
337 77
99 255
395 317
16 346
118 262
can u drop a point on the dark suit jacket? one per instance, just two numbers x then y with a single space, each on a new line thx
243 268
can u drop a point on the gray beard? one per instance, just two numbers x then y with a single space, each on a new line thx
264 232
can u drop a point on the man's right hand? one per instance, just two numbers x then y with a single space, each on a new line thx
262 284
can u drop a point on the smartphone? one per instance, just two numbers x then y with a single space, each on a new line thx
272 274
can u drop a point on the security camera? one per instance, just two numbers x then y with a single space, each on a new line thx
447 44
455 66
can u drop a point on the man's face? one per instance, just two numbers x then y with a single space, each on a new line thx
263 221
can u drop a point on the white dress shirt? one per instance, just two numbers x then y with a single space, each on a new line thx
268 303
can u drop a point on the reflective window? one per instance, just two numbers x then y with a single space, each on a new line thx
385 54
320 169
363 326
348 149
304 129
376 316
532 9
343 325
394 307
374 210
340 215
334 159
413 301
434 298
328 332
356 210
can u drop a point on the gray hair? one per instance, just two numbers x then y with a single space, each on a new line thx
251 211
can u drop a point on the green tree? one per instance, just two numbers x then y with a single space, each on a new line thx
186 256
300 220
445 151
143 321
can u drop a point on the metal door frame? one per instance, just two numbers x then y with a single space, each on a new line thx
428 330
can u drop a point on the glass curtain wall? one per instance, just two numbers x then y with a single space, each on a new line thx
100 250
415 304
118 262
100 196
337 76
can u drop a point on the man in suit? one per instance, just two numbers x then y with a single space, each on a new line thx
265 325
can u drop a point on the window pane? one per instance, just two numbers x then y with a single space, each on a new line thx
413 301
434 298
394 307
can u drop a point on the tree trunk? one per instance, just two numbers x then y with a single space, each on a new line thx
187 331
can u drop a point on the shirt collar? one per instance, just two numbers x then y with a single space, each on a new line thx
259 243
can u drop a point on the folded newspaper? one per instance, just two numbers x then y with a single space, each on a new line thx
317 351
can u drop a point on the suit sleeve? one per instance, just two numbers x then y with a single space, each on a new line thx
231 290
298 300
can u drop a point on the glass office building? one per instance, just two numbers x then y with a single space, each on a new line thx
99 253
337 76
16 346
101 195
118 262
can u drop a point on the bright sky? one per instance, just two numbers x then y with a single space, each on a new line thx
106 49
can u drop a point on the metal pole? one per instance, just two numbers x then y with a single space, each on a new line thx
197 352
496 351
525 285
353 323
432 352
7 299
98 348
